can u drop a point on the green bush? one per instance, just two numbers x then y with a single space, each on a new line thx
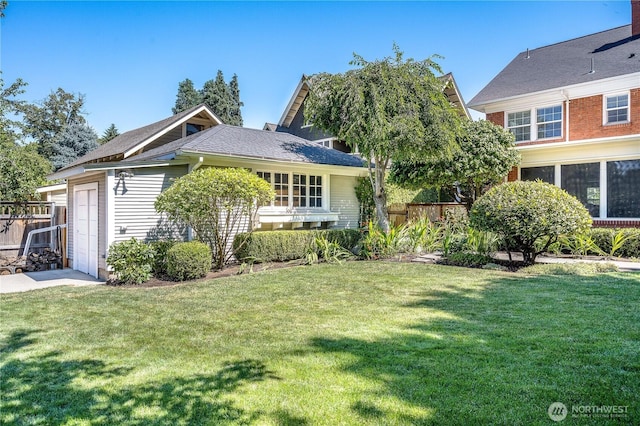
160 249
624 242
188 261
521 213
280 246
578 268
469 260
131 261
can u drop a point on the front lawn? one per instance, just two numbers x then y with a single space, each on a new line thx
362 343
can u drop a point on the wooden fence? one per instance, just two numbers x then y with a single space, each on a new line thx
17 220
402 213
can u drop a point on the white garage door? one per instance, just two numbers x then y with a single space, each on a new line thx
85 252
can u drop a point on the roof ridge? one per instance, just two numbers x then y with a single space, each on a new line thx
574 39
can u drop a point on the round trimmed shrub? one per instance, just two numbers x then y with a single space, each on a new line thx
525 212
131 261
188 261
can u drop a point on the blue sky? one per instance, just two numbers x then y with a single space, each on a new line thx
128 57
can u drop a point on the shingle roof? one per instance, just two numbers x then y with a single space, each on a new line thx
240 141
614 52
122 143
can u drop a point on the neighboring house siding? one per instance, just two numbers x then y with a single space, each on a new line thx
135 214
58 197
102 214
344 200
298 128
170 136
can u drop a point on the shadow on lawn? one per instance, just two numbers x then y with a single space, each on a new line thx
482 360
44 389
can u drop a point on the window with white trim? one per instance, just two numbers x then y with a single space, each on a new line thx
616 109
549 122
519 123
295 189
545 124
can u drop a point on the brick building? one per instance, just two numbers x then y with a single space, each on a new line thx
574 108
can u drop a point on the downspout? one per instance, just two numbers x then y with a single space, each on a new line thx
196 166
566 98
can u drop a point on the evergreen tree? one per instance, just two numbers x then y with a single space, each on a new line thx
235 115
75 140
109 134
217 96
187 96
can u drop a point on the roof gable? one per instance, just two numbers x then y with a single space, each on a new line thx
302 90
613 53
135 141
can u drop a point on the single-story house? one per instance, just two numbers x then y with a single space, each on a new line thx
111 190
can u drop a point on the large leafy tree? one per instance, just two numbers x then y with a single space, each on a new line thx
187 96
390 109
109 133
10 105
217 204
74 141
486 155
45 120
22 169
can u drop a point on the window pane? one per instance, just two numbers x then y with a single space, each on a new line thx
583 182
545 174
623 189
549 122
519 123
617 109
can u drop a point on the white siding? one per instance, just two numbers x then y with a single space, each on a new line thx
344 200
135 214
59 197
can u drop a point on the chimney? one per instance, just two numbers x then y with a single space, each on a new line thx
635 18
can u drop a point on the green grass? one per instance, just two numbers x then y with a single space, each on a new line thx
359 343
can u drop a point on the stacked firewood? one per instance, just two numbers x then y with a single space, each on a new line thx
43 261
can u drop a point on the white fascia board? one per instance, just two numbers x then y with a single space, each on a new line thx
51 188
292 100
584 142
203 108
233 160
64 174
557 94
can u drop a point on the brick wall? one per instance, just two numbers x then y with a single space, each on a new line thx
618 223
513 175
586 118
496 118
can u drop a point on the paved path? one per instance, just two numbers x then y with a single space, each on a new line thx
36 280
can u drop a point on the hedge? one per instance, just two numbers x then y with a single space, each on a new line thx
188 261
279 246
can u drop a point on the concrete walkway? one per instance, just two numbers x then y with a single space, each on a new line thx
36 280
